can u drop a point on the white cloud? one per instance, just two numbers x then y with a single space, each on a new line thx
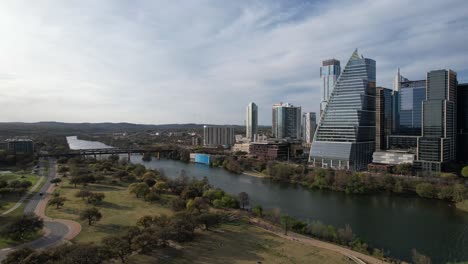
203 61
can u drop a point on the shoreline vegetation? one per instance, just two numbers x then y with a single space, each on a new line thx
190 207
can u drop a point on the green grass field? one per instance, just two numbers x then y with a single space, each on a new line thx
10 200
241 243
230 243
119 210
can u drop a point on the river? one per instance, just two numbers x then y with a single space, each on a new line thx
394 223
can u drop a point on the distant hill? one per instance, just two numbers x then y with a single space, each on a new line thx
19 128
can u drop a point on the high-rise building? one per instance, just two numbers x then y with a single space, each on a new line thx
286 121
309 124
329 73
462 122
408 98
218 135
383 117
437 145
345 137
251 121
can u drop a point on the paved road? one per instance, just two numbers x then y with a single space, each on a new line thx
55 230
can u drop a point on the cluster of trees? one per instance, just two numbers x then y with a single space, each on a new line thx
23 228
238 163
14 187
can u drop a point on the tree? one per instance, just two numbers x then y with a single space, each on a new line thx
213 194
229 202
83 194
258 210
208 220
117 247
198 203
464 172
91 214
419 258
96 198
160 186
243 199
286 223
459 192
345 235
56 181
425 190
57 201
139 189
22 227
18 256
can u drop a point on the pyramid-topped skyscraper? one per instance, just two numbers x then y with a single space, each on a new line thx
345 137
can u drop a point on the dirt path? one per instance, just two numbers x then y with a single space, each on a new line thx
353 255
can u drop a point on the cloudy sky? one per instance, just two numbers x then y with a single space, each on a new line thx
200 61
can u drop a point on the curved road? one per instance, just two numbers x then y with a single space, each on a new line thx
56 230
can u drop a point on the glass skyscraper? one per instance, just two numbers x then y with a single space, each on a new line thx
345 137
462 122
329 73
383 117
251 121
286 121
438 142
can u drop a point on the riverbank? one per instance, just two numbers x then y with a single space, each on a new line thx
256 174
463 206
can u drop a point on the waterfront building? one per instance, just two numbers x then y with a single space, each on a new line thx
218 135
309 124
251 121
22 146
242 147
345 137
383 117
393 157
329 73
462 122
286 121
437 145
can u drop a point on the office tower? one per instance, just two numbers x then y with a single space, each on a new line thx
409 98
383 117
437 145
286 121
309 124
251 121
345 137
462 122
329 73
218 135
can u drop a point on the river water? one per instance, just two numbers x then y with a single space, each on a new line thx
394 223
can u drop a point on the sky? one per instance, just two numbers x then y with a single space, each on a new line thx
160 62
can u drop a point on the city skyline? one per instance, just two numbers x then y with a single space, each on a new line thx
120 62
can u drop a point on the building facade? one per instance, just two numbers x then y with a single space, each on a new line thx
393 157
309 124
383 117
462 122
329 73
20 146
437 145
286 121
345 137
408 99
251 121
218 135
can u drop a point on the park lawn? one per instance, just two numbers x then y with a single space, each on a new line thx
119 210
10 200
242 243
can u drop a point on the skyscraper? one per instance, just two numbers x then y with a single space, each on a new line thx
438 142
218 135
251 120
329 73
462 122
345 137
309 124
383 117
286 121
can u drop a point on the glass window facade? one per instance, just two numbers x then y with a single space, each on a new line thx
345 137
409 100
